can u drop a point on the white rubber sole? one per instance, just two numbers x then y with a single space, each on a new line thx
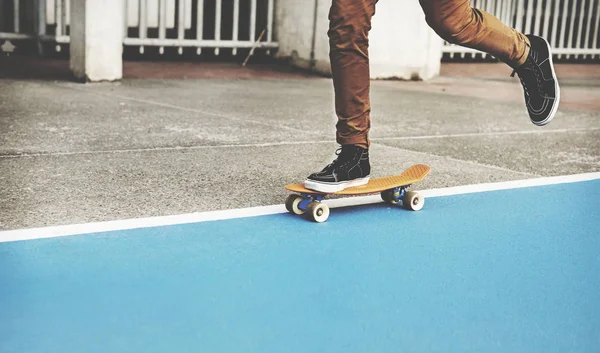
334 187
556 88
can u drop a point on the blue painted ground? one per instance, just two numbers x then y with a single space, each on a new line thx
507 271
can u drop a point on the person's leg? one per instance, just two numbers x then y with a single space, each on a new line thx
458 23
349 26
530 56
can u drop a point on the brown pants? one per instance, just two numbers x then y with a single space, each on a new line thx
453 20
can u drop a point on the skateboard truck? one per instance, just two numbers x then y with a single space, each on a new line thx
394 195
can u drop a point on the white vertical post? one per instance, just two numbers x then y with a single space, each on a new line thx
538 18
218 24
596 29
572 26
270 21
143 19
506 14
40 10
143 22
65 15
482 4
528 18
162 22
491 8
547 12
17 15
181 23
563 25
96 45
58 17
236 20
554 42
498 9
588 26
511 12
580 27
199 23
39 23
162 19
501 10
252 20
519 21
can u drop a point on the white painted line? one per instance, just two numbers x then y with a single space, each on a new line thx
507 185
87 228
137 223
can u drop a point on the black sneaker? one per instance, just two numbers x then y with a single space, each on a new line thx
542 94
351 168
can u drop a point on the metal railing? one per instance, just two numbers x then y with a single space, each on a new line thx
199 24
32 20
570 26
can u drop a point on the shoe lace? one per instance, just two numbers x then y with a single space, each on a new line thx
522 71
340 160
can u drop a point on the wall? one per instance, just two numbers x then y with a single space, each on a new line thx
401 43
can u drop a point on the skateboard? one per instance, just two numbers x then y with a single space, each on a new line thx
393 190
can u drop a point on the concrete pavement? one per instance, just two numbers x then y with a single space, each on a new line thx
74 153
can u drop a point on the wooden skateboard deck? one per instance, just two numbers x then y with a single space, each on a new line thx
392 189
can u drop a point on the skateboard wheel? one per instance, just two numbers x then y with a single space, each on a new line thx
317 212
291 204
388 197
413 201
